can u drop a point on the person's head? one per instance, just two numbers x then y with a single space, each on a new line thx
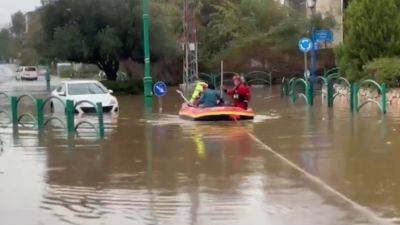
211 86
204 85
237 80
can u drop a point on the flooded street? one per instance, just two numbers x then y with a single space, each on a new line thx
293 165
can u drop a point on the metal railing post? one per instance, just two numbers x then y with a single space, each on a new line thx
40 114
14 110
101 120
70 112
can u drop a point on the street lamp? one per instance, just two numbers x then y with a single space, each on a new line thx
147 81
311 4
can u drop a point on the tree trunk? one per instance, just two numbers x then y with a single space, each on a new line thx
110 68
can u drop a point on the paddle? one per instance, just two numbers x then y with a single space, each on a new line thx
222 79
183 97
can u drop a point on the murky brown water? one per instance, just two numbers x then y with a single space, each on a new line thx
159 169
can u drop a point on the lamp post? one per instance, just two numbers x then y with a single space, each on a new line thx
147 81
311 4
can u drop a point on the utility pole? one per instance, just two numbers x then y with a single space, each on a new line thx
148 81
311 4
189 45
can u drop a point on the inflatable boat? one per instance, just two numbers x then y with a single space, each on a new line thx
220 113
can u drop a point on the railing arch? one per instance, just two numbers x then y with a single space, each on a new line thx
308 95
260 76
92 125
24 96
334 70
26 115
47 100
55 118
382 105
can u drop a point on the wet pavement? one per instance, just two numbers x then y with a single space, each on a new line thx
292 165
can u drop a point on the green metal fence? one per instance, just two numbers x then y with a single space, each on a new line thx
300 87
40 120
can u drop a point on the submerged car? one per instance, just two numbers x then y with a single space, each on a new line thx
27 73
85 90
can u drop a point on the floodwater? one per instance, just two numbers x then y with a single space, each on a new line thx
293 165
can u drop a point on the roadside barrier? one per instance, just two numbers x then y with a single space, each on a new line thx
40 120
382 91
3 111
301 87
307 88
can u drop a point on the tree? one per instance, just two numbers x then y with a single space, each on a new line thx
243 31
372 31
18 24
5 42
104 36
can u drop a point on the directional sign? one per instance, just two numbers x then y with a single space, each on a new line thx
160 89
316 46
323 36
305 45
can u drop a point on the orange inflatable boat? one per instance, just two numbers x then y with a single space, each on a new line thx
220 113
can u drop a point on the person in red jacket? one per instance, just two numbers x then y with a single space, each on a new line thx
241 93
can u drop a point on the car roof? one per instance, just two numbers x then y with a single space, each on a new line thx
80 81
67 82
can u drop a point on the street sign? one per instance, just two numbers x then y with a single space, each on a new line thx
316 46
305 45
160 89
323 36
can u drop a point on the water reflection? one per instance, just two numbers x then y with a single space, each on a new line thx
159 169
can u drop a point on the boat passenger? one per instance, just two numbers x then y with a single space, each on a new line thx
241 93
210 98
198 90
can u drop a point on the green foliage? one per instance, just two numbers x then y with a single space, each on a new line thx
245 30
5 42
67 72
125 87
18 24
385 70
106 35
372 31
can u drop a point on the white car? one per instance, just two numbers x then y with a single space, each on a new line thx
85 90
27 73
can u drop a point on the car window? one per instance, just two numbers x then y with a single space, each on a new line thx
85 89
61 88
30 69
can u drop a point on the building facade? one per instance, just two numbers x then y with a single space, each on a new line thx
333 8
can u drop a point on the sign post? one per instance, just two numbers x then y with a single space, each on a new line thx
148 80
48 80
305 45
160 90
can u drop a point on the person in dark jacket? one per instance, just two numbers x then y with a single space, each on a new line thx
210 98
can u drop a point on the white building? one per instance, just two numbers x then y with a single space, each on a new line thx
334 8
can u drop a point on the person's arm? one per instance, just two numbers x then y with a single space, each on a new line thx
244 92
230 92
196 93
201 100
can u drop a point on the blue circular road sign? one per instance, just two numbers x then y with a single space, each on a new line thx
305 45
160 89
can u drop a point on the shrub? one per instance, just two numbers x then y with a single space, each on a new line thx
372 31
385 70
125 87
67 72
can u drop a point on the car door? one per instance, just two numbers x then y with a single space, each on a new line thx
61 93
18 73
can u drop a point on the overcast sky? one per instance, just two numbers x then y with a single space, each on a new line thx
8 7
